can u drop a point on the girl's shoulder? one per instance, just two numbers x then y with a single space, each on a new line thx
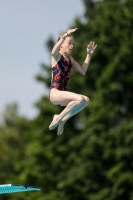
71 58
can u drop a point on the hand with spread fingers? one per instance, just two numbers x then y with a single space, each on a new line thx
91 48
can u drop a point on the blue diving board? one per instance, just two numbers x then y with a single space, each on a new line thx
11 188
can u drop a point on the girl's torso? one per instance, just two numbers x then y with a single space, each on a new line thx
61 72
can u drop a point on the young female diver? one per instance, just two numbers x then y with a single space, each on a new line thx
62 62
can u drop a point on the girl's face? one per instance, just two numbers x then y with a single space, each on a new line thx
67 45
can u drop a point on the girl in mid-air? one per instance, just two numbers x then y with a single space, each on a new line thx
62 62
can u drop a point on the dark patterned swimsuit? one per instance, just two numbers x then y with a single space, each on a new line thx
61 74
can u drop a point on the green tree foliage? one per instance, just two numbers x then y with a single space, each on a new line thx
92 160
13 141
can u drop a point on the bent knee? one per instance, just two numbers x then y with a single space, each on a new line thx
87 100
80 99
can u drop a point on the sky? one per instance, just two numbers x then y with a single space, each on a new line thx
25 27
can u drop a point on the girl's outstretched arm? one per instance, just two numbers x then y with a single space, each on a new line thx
82 69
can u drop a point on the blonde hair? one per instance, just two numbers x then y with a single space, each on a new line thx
69 35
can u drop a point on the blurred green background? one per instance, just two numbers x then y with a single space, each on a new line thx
93 159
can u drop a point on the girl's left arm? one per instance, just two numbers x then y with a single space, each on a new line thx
82 69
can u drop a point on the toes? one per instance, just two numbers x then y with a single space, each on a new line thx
60 129
53 125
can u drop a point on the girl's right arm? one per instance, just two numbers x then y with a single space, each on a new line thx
56 47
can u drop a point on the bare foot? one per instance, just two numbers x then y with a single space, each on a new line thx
54 123
60 128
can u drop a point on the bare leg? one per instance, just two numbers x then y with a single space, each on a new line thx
71 100
69 109
68 116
